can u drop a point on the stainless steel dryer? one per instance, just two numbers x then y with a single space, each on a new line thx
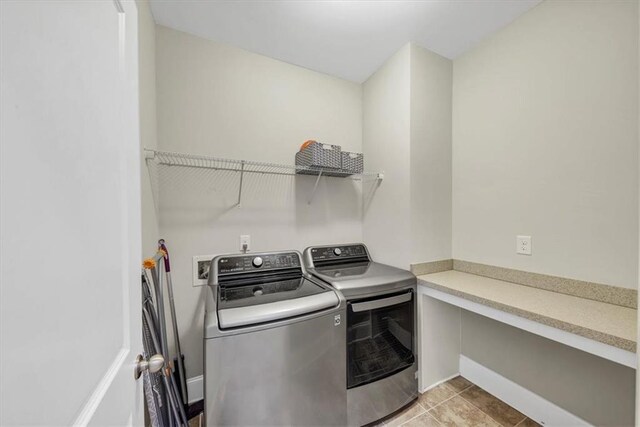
381 341
273 344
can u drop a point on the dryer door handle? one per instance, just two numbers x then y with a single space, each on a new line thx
382 302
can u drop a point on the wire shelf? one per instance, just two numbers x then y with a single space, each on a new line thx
172 159
167 158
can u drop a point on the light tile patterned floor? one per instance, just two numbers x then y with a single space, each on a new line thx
458 403
197 421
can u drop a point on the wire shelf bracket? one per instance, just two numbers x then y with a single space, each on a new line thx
240 186
315 187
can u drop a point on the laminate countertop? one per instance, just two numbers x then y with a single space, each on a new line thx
606 323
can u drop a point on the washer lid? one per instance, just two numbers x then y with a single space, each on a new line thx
267 302
357 279
265 290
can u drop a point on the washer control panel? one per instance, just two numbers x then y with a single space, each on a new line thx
252 263
329 253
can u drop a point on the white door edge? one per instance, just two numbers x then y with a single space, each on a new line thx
89 409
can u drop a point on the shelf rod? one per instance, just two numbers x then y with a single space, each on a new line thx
226 169
315 187
174 165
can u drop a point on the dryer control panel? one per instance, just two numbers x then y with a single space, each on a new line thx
329 254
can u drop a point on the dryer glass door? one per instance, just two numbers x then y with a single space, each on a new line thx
380 337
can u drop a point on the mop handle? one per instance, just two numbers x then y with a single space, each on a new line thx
163 247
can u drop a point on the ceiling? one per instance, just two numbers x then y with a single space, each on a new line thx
347 39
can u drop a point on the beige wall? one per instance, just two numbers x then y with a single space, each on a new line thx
407 135
572 127
430 158
594 389
386 147
638 376
148 138
217 100
545 143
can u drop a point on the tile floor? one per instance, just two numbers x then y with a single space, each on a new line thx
197 421
458 403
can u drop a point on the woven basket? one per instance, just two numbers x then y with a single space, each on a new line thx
318 156
352 162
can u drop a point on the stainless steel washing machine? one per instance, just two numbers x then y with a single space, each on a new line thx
273 344
381 344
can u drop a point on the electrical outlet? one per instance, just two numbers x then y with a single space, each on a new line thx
523 245
245 243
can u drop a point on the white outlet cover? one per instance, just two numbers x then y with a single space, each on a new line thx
523 245
245 239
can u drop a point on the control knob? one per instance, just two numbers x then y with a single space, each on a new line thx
257 262
337 251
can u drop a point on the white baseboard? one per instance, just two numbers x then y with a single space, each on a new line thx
525 401
438 383
195 388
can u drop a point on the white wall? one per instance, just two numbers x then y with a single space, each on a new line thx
148 129
217 100
545 143
430 157
387 148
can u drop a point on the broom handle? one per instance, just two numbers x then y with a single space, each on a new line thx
174 320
